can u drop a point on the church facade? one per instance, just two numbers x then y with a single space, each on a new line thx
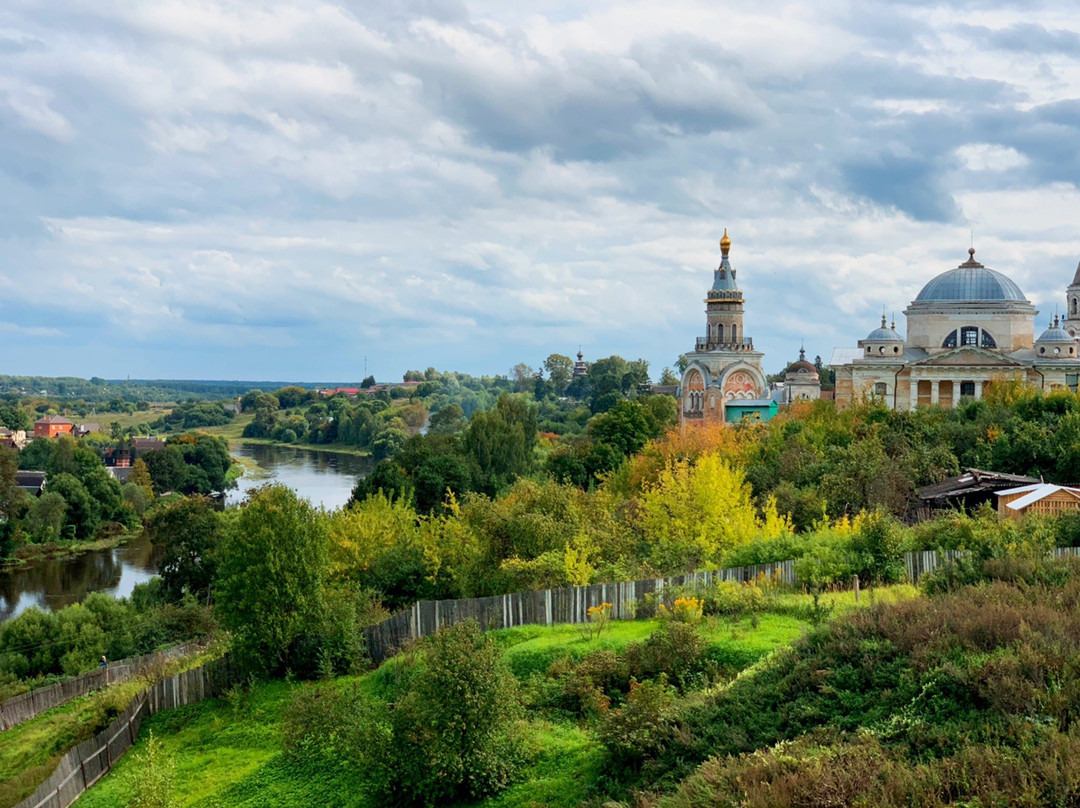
723 379
967 327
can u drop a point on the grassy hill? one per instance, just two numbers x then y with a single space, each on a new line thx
229 751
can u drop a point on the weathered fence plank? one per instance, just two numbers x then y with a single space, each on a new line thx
25 706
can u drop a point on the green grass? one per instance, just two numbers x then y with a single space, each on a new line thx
30 752
228 751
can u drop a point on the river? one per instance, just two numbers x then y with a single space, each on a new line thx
324 478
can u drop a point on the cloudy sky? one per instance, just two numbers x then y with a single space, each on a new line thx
196 189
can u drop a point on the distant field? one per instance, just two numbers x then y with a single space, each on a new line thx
125 420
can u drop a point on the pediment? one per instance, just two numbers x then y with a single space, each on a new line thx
969 356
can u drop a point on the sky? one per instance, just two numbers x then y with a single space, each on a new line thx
302 190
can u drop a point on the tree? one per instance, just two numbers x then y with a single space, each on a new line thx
413 376
668 378
501 441
271 566
447 421
36 456
249 399
44 520
188 531
523 377
10 493
140 476
626 427
104 489
70 457
292 396
167 469
451 733
82 515
693 513
369 381
560 370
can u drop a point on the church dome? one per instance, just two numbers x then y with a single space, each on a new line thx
1055 333
802 369
884 333
971 282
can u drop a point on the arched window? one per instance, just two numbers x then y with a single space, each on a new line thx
1074 305
988 341
950 341
735 335
969 335
720 333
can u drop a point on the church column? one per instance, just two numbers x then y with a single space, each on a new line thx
935 393
979 389
956 386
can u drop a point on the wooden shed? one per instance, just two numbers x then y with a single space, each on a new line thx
1045 499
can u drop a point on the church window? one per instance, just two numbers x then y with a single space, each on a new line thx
735 335
1042 349
881 350
967 389
950 341
720 333
969 336
988 341
868 349
1072 381
881 389
1074 304
896 349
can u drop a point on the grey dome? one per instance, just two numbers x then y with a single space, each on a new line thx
971 282
883 333
1056 334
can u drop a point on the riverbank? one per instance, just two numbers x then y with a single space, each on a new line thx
53 550
312 447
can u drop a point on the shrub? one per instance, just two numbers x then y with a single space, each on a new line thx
641 728
675 651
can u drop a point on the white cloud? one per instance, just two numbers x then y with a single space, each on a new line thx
990 157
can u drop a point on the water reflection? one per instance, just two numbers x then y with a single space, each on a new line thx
325 478
53 583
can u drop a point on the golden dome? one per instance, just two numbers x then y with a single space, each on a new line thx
725 244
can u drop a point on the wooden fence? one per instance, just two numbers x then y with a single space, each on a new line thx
85 764
546 607
25 706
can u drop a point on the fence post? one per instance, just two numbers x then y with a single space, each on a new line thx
856 585
82 769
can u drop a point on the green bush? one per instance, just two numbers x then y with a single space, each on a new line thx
453 731
642 728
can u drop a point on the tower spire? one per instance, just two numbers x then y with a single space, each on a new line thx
725 244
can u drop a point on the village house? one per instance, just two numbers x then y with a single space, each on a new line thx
51 426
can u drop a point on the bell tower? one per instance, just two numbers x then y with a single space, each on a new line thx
1071 323
724 307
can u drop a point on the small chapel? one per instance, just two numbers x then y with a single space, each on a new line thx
723 380
967 327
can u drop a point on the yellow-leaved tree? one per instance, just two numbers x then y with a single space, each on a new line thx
360 534
695 512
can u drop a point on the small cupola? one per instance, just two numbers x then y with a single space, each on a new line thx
883 342
1055 342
